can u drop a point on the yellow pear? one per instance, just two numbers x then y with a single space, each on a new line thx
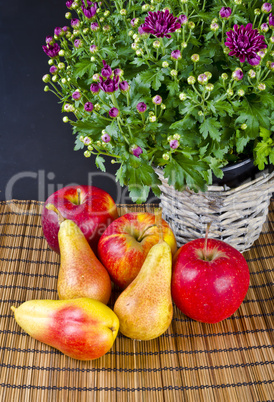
145 308
83 328
81 274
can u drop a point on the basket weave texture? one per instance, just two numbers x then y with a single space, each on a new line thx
236 215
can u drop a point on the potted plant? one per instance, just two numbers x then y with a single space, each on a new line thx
173 89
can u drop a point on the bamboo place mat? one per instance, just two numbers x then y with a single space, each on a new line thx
228 361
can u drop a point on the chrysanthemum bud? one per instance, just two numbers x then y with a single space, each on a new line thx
157 100
87 154
54 78
182 96
90 148
87 141
200 113
152 118
46 88
257 11
93 49
61 66
191 25
224 76
173 73
203 79
264 27
46 78
266 8
141 107
65 119
97 107
244 126
105 137
123 11
106 13
214 26
165 64
252 73
174 144
156 44
176 54
238 2
163 106
191 80
230 92
145 7
237 74
184 45
64 80
261 87
209 87
166 156
195 58
240 92
176 136
61 53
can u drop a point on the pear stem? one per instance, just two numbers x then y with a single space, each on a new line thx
158 222
206 238
51 207
13 308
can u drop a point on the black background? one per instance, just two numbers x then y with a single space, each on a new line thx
36 147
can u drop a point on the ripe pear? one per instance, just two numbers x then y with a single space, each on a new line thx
83 328
81 274
145 308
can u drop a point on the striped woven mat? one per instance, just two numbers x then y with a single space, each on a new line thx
229 361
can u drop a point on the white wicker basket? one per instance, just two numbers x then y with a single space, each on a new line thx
236 215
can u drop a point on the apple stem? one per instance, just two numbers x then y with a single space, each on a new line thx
78 196
51 207
142 235
158 222
206 238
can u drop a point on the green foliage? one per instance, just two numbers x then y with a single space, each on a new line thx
214 122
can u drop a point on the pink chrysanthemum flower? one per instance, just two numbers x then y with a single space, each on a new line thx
244 43
161 23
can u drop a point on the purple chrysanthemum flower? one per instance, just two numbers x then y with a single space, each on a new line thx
157 100
57 31
161 24
88 107
264 27
136 151
114 112
141 31
141 107
118 72
65 28
106 70
49 39
95 88
266 7
87 141
69 3
244 43
90 10
78 43
109 85
105 137
174 144
76 95
225 12
74 22
176 54
51 50
93 49
124 87
183 19
132 22
271 20
237 75
53 69
94 26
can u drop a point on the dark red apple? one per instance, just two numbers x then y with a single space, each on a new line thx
91 208
210 280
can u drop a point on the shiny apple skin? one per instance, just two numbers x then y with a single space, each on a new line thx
209 291
93 215
122 254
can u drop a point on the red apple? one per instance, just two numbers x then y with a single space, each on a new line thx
210 280
124 245
91 208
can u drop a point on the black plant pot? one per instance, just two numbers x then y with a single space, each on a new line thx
237 173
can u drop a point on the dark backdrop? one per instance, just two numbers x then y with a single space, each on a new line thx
36 147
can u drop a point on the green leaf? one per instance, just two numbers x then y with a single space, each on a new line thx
271 156
182 171
154 77
173 88
100 163
211 127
